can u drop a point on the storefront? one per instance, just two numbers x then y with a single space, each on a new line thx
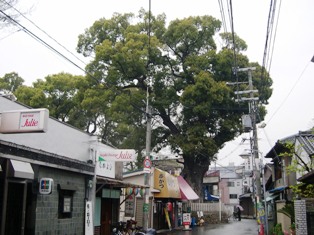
109 186
44 173
166 200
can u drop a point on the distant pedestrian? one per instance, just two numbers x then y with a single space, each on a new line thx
239 213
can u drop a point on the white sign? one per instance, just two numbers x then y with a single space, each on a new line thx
89 227
186 218
118 155
105 168
24 121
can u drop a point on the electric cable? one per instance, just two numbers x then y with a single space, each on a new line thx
223 18
44 32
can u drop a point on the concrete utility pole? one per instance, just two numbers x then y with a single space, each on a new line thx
147 173
147 162
253 109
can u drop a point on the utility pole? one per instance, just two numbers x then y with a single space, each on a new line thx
147 166
147 162
254 147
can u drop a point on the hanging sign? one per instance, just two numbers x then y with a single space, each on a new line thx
105 168
24 121
117 155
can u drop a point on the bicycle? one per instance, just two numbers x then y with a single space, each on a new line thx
119 228
132 229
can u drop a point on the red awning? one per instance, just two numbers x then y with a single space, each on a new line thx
187 193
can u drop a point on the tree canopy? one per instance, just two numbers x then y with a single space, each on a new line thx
186 76
194 110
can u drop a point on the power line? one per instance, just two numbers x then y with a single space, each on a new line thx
44 32
223 18
42 41
285 99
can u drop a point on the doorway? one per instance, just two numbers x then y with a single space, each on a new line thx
16 207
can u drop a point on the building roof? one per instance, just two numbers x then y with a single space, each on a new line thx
306 139
307 178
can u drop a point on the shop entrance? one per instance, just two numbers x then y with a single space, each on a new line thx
15 201
16 209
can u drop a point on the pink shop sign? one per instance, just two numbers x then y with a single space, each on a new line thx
117 155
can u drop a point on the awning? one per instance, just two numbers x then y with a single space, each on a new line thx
278 189
167 184
187 193
245 195
271 197
20 169
210 197
117 183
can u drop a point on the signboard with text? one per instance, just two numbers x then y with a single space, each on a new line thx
24 121
117 155
89 227
105 168
186 218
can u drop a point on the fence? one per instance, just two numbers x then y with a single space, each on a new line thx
209 207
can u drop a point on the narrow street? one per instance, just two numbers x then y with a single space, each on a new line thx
243 227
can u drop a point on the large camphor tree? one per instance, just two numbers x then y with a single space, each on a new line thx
194 110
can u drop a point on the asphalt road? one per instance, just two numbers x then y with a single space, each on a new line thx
243 227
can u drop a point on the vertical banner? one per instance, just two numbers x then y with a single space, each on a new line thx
167 218
89 228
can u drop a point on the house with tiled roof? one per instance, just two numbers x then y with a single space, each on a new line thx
292 159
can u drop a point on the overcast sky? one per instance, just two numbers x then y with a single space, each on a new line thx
290 108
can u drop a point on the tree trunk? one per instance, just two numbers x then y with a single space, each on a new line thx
193 173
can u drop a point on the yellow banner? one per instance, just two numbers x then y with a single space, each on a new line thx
167 185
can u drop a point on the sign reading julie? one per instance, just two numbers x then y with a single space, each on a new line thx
118 155
24 121
106 159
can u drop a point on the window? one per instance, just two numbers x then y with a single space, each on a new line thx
65 203
230 184
238 183
233 196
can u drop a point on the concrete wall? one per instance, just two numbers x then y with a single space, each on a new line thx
47 221
282 219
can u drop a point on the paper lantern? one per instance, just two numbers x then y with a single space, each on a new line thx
136 191
129 191
142 191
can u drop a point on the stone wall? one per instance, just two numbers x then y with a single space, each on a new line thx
300 217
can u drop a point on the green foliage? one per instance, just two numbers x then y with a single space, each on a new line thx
193 109
277 230
10 82
298 165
